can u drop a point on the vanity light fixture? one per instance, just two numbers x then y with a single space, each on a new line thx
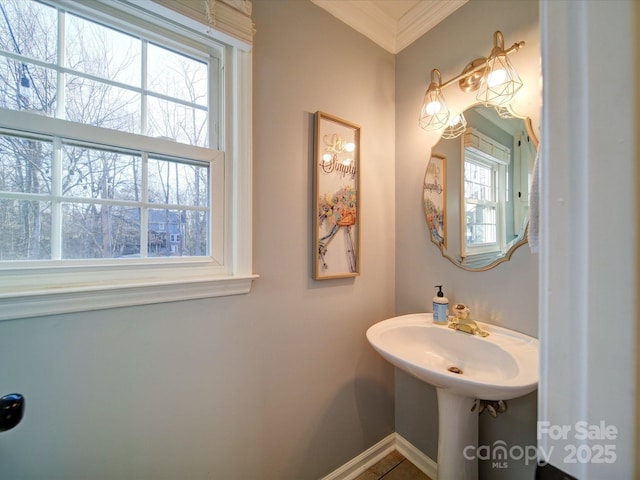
495 79
434 113
501 79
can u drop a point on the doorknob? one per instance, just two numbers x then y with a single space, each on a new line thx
11 410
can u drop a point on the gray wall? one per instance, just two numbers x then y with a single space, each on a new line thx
506 295
278 384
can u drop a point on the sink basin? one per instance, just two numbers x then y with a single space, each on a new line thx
462 367
502 366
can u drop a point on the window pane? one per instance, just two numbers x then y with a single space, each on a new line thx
177 233
165 232
481 224
99 231
25 165
176 75
177 122
24 86
92 173
478 181
102 105
30 29
178 183
102 51
196 234
26 230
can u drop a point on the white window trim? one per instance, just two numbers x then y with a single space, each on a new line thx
67 288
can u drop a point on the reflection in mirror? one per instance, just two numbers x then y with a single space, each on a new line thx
476 188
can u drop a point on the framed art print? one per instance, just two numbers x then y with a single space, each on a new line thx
435 199
336 205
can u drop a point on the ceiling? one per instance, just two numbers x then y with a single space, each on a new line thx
392 24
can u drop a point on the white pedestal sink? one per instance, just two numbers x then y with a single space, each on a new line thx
462 367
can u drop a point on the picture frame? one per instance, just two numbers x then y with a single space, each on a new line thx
336 249
435 199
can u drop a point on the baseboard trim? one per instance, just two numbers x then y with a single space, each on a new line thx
371 456
359 464
415 456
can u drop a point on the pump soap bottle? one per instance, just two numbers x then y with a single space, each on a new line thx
440 307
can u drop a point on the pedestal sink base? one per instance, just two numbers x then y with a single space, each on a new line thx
457 435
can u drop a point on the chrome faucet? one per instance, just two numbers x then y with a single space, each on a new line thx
462 322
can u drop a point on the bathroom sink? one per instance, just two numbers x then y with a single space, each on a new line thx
501 366
463 368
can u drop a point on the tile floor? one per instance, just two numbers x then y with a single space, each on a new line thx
393 467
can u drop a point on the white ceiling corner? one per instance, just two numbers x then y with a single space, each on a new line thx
392 24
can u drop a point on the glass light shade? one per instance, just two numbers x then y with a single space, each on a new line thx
434 113
456 127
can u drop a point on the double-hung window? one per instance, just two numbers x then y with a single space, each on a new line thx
124 158
481 205
484 179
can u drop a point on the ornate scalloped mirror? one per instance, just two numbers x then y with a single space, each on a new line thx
476 188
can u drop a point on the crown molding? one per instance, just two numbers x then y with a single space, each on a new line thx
393 35
365 17
422 18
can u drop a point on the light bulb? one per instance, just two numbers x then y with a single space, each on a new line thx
433 108
497 77
350 147
326 157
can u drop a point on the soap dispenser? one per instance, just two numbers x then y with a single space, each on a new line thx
440 307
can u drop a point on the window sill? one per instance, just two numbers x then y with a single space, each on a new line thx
34 303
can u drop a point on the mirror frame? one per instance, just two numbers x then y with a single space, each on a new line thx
508 254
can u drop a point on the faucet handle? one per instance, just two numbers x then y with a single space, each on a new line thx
461 310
